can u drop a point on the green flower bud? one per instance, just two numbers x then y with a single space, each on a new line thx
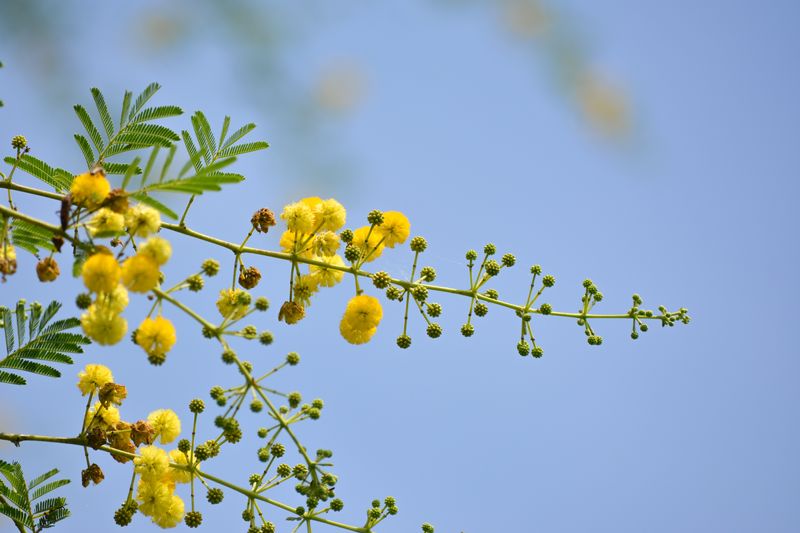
381 280
214 496
536 269
295 398
427 528
314 413
523 348
492 267
351 253
537 352
467 330
418 244
428 273
404 341
634 335
471 255
83 300
420 293
434 330
491 293
337 505
284 470
265 338
481 309
228 356
256 406
254 479
216 392
346 236
193 519
548 280
644 327
300 471
247 515
278 449
546 309
317 403
19 142
374 513
375 217
195 283
434 310
509 260
292 358
262 304
263 454
393 293
249 332
210 267
184 446
197 406
489 249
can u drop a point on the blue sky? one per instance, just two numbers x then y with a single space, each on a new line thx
465 129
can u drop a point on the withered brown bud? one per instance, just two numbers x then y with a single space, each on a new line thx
142 433
126 446
58 242
94 474
7 267
117 201
112 393
263 219
291 312
47 270
249 277
96 438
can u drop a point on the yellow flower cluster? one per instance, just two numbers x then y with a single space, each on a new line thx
90 189
361 318
93 377
155 336
166 424
233 304
156 490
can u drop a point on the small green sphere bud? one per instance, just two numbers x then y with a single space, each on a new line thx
247 515
195 283
418 244
278 449
634 335
283 409
346 236
467 330
193 519
536 269
389 501
246 366
523 348
471 255
284 470
216 392
548 281
293 358
404 341
375 217
598 296
201 452
317 403
434 310
491 293
637 300
537 352
268 527
19 142
254 479
492 267
489 249
295 398
312 502
300 471
262 433
314 413
587 283
124 515
262 304
591 289
337 505
420 293
351 253
214 496
393 293
263 454
374 513
210 267
197 406
184 445
644 327
428 273
228 357
427 528
481 309
376 504
381 279
249 332
300 510
265 338
509 260
434 330
208 333
256 406
546 309
83 300
392 510
594 340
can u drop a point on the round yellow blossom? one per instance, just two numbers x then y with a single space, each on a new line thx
142 220
93 377
153 496
355 336
289 244
395 228
170 515
166 424
325 243
107 417
103 324
140 273
89 189
328 277
363 312
151 464
299 217
233 303
116 300
101 272
304 287
157 336
157 248
106 222
330 215
178 475
371 247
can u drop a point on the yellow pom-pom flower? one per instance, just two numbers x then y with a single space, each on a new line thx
368 242
299 217
105 221
152 496
233 303
171 514
103 324
116 300
152 464
102 416
325 243
157 248
330 215
304 287
363 312
142 221
92 378
140 273
354 335
395 228
166 424
101 272
156 336
178 457
89 189
290 244
328 277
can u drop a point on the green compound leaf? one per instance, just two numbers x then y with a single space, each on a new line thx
18 503
57 178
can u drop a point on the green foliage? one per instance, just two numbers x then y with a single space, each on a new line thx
57 178
35 339
31 237
18 499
